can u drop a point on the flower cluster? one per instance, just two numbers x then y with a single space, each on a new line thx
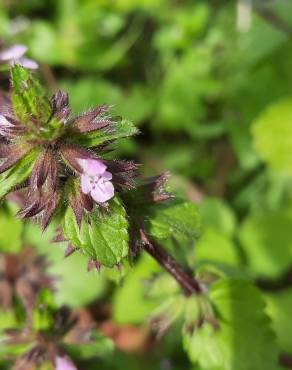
23 276
48 346
66 153
61 165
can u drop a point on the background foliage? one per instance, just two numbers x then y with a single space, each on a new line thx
214 106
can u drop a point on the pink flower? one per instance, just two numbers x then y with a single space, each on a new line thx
95 180
64 363
5 125
15 55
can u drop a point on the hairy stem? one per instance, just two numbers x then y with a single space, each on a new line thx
189 284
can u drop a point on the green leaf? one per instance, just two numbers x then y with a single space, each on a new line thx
104 237
71 229
215 213
123 129
109 234
215 246
175 223
243 340
19 76
18 173
272 134
266 241
10 232
30 103
131 304
218 226
180 101
279 308
177 219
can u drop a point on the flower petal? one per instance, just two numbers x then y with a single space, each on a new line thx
27 63
4 122
103 192
14 52
107 176
92 167
64 363
85 184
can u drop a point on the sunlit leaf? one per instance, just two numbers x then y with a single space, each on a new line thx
104 237
272 132
243 339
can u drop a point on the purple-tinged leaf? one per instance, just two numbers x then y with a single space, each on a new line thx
16 153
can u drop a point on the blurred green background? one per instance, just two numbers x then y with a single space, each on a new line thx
209 83
186 72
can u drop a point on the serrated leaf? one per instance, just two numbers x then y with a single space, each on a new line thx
30 103
71 229
243 340
178 219
104 237
123 129
109 235
19 76
272 133
175 223
18 173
